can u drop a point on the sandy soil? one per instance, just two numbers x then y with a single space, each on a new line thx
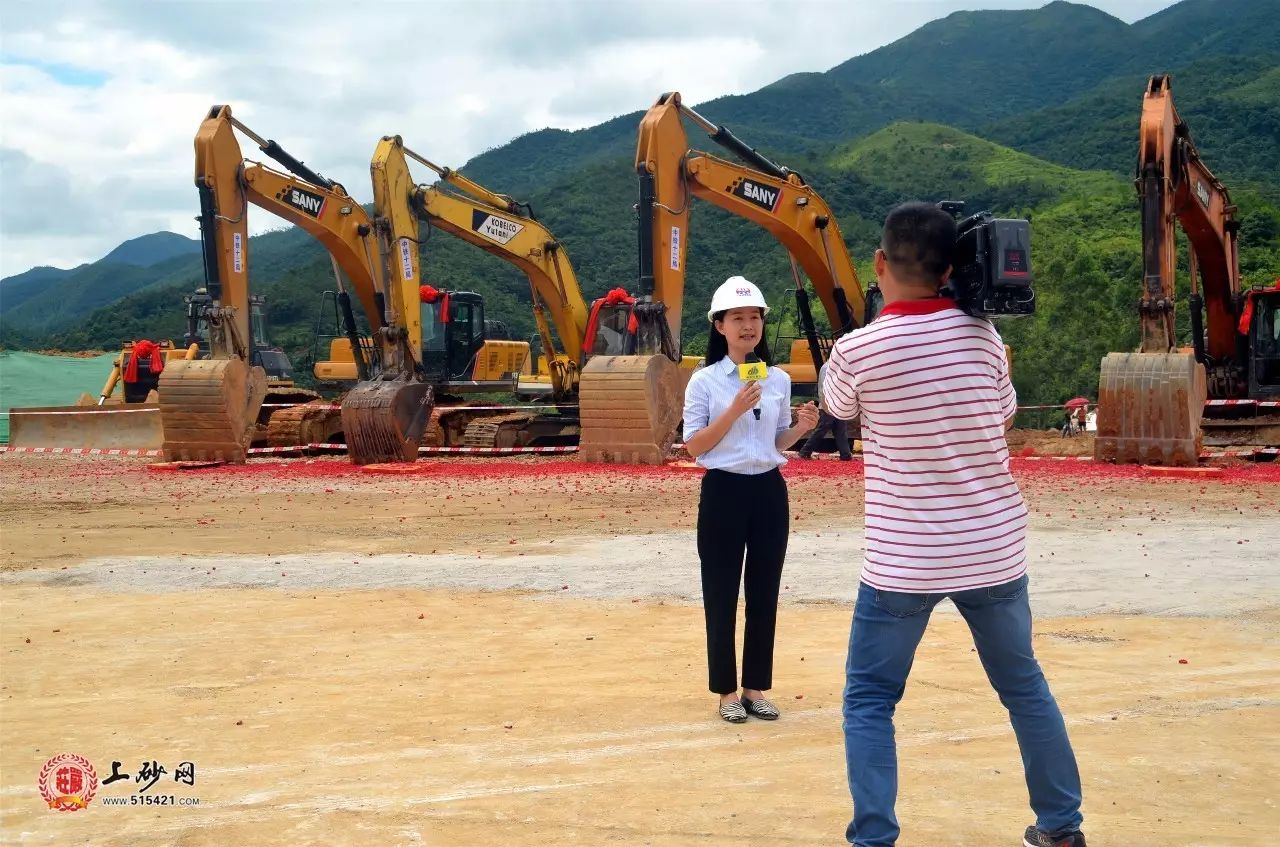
1034 442
510 653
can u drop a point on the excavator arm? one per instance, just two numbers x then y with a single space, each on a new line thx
1150 403
772 196
1177 189
504 228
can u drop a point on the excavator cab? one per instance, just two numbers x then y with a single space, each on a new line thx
452 339
265 355
1264 345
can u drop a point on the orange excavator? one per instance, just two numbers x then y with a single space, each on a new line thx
1152 404
209 406
637 398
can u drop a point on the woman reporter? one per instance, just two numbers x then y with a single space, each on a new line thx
737 429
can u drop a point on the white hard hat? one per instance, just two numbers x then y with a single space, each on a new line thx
737 291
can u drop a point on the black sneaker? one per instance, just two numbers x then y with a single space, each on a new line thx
1035 838
800 454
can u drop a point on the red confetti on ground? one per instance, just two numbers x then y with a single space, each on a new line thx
1024 469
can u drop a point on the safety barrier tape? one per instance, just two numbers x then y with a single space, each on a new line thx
521 408
1263 404
80 451
97 410
342 448
1240 454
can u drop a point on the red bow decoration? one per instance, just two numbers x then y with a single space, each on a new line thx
1246 316
617 296
144 349
431 294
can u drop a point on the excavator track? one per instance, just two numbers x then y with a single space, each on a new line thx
313 422
496 431
1149 409
629 408
209 409
384 419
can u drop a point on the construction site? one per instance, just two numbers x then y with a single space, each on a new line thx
440 585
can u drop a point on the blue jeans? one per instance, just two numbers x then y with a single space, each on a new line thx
887 628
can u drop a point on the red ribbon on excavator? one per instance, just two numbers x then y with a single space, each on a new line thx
431 294
144 349
616 297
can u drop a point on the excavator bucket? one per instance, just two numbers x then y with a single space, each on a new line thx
209 409
383 420
1149 409
629 407
133 426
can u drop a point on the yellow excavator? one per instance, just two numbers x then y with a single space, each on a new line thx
454 350
636 399
208 406
1152 404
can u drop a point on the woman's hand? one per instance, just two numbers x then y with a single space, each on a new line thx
806 417
747 398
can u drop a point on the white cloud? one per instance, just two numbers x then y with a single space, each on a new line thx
99 101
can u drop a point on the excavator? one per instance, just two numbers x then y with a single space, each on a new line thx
1152 404
209 406
631 404
453 320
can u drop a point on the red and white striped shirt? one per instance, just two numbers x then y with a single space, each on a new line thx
930 386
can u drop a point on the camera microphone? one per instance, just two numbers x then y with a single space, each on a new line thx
753 370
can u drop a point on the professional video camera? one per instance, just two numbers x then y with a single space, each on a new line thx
991 268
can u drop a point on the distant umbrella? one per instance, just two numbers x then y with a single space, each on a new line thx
1077 402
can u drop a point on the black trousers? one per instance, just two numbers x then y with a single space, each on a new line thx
839 431
740 513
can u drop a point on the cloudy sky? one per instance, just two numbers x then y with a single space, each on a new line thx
99 101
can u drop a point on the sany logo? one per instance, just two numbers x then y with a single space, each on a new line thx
1203 193
764 196
306 201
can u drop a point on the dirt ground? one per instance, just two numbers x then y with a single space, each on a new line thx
510 652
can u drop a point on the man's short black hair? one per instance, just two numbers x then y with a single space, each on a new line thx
918 241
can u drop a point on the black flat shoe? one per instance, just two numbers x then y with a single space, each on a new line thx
762 709
733 712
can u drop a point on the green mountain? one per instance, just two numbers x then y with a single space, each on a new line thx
45 300
19 288
1232 105
152 249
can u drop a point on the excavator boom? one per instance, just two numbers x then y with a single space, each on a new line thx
384 418
209 408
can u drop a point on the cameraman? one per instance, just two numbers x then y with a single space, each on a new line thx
944 519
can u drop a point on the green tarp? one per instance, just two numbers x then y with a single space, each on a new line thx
28 379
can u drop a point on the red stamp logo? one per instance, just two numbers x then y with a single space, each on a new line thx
68 782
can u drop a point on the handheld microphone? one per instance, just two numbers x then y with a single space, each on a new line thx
753 370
